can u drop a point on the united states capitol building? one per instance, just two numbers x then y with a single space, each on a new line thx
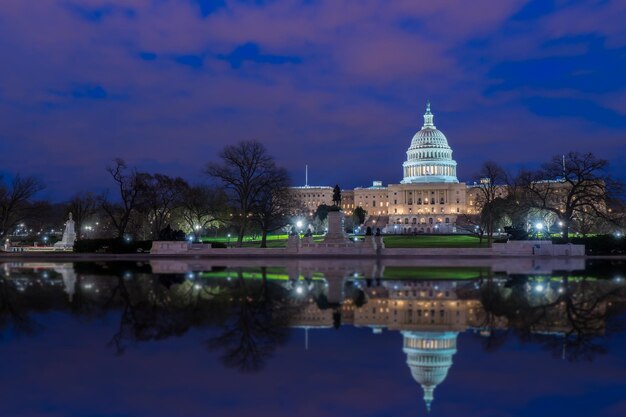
429 199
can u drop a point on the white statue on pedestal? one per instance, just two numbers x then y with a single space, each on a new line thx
69 235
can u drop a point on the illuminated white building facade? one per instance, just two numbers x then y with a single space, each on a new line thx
428 199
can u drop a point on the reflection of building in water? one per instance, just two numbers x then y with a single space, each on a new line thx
429 314
429 355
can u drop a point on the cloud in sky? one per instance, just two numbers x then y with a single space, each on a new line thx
338 85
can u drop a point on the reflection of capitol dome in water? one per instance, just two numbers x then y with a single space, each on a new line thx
429 158
429 355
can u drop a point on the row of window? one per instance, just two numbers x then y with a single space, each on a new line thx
422 220
430 343
432 210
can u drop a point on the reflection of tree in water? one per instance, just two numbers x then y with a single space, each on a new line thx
252 315
259 315
13 314
159 307
570 318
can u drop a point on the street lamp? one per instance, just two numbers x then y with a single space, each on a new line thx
538 229
299 225
228 236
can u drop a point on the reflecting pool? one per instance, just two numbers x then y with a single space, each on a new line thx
278 337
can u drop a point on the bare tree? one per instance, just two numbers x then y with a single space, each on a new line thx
161 196
129 185
245 170
570 186
472 223
490 194
274 206
16 201
493 180
82 206
203 207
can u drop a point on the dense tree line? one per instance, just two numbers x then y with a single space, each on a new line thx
246 192
569 193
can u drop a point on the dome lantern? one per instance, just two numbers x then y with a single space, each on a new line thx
428 117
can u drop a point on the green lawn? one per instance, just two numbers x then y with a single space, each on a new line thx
433 241
273 241
246 238
391 241
401 272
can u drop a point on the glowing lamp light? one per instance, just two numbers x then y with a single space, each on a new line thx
539 226
299 290
539 287
299 224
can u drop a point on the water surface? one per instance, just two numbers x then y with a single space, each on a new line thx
313 338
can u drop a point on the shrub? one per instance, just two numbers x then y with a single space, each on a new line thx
111 246
218 245
598 245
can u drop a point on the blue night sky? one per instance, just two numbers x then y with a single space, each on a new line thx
338 85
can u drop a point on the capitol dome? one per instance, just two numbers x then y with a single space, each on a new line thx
429 158
429 356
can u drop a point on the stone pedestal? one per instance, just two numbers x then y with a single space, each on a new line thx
335 233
